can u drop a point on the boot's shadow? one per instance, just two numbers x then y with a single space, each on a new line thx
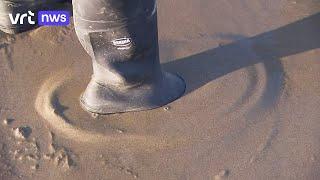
267 48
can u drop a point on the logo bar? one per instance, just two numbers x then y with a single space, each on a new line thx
53 18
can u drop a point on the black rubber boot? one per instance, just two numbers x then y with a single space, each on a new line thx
121 36
23 6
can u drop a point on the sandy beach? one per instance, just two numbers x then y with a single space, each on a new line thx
251 110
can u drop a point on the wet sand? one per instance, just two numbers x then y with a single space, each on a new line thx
251 109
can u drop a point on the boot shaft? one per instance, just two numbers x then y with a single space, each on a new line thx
121 36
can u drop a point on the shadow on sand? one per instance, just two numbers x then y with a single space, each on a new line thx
267 48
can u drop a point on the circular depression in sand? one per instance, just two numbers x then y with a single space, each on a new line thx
57 103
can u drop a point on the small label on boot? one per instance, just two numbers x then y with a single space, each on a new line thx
122 43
